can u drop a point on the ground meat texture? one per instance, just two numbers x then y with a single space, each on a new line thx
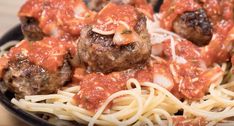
30 29
100 54
194 26
24 78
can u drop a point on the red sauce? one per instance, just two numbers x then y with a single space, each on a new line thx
220 14
96 87
3 64
48 53
218 9
220 45
190 82
60 18
191 79
110 16
78 75
144 7
182 121
232 59
184 48
170 9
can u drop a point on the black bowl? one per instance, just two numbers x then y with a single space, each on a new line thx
5 97
15 34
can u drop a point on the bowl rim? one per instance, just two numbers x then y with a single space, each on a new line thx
30 119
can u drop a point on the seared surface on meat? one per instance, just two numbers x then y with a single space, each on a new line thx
30 29
102 55
59 18
25 78
194 26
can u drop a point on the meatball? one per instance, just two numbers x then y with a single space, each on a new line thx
25 78
38 18
31 29
194 26
101 54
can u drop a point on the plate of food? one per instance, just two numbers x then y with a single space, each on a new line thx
120 63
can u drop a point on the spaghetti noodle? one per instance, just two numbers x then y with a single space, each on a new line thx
141 103
147 103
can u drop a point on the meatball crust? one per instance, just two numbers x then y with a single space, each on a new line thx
30 28
100 53
25 78
194 26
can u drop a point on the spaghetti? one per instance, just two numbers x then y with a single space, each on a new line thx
141 103
150 103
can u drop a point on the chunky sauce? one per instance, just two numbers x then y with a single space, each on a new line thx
144 7
220 14
65 19
3 64
186 80
170 10
60 18
109 17
190 75
97 87
182 121
48 53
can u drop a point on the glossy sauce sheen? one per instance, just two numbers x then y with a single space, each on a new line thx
61 18
96 87
65 20
220 13
182 121
108 18
170 9
144 7
191 81
48 53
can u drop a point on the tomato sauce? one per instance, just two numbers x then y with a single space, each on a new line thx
97 87
187 80
3 64
220 46
48 53
220 14
192 78
61 18
182 121
144 7
171 9
109 17
232 59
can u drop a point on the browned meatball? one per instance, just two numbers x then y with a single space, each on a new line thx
30 29
24 78
100 53
194 26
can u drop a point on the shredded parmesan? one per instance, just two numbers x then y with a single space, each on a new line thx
103 32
